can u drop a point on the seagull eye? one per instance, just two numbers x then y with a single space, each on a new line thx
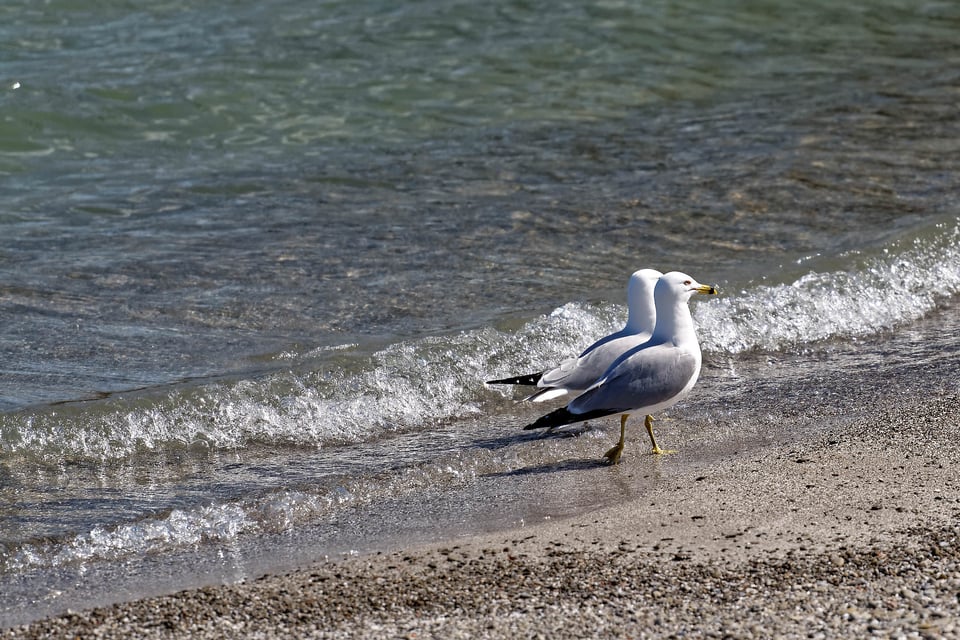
687 283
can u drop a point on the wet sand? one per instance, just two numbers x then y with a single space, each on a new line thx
853 532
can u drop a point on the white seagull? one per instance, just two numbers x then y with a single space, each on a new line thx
577 374
652 376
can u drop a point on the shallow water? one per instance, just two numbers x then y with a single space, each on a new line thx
255 264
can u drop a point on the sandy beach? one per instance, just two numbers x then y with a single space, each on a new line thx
851 533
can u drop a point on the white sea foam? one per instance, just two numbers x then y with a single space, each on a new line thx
179 528
411 385
273 511
904 283
401 387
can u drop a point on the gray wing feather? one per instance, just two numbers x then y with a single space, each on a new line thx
580 373
645 378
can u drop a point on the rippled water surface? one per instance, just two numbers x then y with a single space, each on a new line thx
256 260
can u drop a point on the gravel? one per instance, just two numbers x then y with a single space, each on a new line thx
909 589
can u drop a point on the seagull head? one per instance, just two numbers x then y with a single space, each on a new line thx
681 286
642 312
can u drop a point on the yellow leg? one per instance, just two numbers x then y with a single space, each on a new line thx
648 423
613 455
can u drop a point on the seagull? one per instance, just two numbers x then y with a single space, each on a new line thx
576 374
649 378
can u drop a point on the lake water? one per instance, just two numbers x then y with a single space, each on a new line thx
256 260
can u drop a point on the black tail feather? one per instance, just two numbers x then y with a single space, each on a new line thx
562 416
529 380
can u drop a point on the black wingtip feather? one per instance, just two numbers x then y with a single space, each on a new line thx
562 417
529 380
556 418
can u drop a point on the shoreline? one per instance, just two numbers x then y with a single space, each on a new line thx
854 531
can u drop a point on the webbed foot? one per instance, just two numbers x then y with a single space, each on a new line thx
613 455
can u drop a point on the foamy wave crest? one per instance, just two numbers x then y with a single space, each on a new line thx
903 284
178 529
354 397
402 387
220 524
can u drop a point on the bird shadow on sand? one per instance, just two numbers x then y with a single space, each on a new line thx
581 464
